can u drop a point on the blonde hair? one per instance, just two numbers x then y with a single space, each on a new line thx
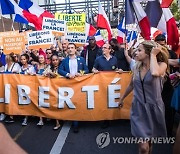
161 56
9 59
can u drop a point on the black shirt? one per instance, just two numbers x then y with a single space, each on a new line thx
92 55
121 59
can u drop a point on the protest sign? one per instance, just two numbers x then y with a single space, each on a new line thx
76 37
13 44
56 26
40 39
74 22
7 34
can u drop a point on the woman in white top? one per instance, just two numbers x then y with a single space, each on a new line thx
11 66
28 70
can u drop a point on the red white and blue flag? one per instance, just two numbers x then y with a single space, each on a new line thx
90 30
99 39
162 19
135 14
121 31
25 12
103 22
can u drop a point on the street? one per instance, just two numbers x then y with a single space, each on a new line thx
45 140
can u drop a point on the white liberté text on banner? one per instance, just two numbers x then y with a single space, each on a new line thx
40 39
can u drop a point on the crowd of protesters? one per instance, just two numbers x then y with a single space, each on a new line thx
155 78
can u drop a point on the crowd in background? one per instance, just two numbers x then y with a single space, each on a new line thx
62 59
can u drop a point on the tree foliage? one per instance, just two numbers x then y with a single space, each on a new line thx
175 11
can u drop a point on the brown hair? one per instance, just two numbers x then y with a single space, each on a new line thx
161 56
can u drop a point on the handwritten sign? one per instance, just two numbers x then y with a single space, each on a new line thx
75 37
13 44
75 22
56 26
40 39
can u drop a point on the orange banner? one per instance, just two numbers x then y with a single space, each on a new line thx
91 97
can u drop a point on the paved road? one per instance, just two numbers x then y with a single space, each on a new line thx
45 140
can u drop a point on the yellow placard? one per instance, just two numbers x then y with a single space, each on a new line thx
74 22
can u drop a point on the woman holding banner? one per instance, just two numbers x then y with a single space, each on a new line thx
28 70
11 67
147 112
52 72
40 68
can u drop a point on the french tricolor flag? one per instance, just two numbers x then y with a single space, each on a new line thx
121 31
162 19
90 30
103 22
99 39
136 14
131 37
36 12
25 12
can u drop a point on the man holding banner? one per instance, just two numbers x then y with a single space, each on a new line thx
106 62
71 67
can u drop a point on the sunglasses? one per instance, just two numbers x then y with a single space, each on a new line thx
48 53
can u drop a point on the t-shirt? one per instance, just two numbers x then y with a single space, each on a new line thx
14 68
29 70
102 64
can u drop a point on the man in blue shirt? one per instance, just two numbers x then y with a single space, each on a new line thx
106 62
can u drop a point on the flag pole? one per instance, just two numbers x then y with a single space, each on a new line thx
3 23
12 26
124 8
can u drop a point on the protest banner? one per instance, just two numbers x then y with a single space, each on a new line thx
40 39
91 97
74 22
7 34
76 37
56 26
13 44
